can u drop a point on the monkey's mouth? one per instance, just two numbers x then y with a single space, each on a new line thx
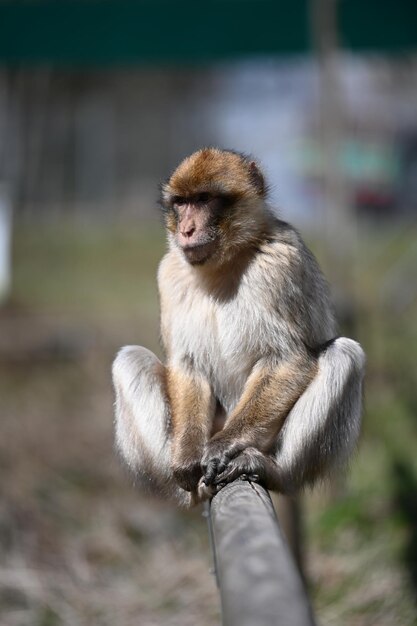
199 253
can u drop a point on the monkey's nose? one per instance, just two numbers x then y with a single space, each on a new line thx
188 231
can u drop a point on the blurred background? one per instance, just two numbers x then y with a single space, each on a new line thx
99 100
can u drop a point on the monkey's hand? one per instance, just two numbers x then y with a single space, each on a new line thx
250 464
218 453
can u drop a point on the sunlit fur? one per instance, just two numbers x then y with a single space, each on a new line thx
249 334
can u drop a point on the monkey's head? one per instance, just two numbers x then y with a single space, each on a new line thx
214 205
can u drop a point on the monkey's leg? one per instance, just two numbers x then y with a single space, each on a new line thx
142 421
321 430
192 412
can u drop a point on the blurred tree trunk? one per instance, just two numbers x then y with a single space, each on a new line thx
8 174
338 220
338 215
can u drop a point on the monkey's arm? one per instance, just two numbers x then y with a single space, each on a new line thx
320 432
269 394
192 407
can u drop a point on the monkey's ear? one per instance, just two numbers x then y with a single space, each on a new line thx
257 178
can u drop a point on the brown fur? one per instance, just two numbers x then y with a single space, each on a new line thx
234 218
261 411
217 171
189 395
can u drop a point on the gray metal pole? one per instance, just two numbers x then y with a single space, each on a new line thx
258 580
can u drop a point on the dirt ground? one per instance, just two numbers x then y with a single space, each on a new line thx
79 545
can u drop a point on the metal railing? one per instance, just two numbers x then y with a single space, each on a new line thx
259 583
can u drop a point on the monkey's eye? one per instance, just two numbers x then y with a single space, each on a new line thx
178 200
203 197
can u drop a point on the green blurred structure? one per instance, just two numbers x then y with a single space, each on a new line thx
102 32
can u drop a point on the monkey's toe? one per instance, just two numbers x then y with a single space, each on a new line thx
251 478
204 491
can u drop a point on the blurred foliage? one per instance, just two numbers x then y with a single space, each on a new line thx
91 271
80 546
371 523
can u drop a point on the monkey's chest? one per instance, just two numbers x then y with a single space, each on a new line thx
223 342
236 350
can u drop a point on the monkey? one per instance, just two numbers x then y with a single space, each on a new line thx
257 384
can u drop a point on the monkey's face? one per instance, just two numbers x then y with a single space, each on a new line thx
195 220
211 204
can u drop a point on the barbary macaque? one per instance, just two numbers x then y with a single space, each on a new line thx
256 383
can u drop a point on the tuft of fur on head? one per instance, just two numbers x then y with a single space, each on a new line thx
217 171
230 175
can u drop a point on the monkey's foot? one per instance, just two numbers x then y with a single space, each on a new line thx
188 474
204 492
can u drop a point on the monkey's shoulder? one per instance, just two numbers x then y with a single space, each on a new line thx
285 257
285 248
293 283
286 239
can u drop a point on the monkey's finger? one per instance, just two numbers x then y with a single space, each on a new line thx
215 467
230 474
226 456
252 478
211 471
245 466
223 463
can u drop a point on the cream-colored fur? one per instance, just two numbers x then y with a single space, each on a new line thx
226 332
250 338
